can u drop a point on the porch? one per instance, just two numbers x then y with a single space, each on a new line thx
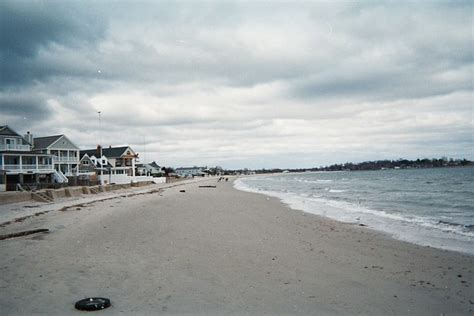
19 163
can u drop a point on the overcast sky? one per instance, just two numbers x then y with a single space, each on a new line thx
243 84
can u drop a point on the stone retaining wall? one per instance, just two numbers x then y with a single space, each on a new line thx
16 196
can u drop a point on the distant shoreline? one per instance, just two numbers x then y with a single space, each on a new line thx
279 171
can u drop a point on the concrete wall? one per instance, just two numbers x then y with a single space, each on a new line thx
159 179
124 179
141 183
94 187
105 188
73 191
143 179
14 197
56 194
114 187
115 178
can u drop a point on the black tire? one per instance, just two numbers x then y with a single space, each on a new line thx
92 304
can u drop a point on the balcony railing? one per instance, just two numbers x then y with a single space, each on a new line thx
11 167
15 147
45 168
25 168
29 167
57 159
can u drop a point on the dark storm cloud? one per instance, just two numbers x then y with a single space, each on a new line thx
28 27
23 106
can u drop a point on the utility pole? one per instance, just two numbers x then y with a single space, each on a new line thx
144 155
144 149
100 144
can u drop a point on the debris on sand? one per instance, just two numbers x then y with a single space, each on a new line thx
24 233
92 304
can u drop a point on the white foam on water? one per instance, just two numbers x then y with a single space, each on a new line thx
414 229
312 181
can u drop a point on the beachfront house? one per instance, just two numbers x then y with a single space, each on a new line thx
187 172
86 167
92 168
115 165
149 169
65 153
20 167
141 169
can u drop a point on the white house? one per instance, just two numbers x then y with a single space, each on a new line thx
117 164
20 165
65 153
90 165
191 171
152 169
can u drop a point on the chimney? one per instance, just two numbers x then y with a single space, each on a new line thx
29 138
98 151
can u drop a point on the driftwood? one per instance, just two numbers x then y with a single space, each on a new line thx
207 186
24 233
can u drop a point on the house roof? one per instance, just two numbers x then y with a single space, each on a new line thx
45 142
111 152
48 141
154 165
151 164
7 131
97 164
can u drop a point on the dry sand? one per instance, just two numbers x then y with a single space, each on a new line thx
221 251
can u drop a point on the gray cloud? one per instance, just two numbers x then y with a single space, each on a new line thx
29 28
24 106
240 83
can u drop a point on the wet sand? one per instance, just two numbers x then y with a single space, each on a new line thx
221 251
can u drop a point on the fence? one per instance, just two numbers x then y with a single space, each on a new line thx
124 179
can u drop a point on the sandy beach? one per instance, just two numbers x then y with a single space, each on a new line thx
220 251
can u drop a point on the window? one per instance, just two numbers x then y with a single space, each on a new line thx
10 143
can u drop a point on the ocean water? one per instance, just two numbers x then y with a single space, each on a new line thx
430 207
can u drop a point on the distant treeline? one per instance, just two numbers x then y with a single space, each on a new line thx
395 164
378 164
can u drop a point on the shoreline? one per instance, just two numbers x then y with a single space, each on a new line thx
223 251
414 230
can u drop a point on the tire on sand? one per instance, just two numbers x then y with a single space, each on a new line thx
92 304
